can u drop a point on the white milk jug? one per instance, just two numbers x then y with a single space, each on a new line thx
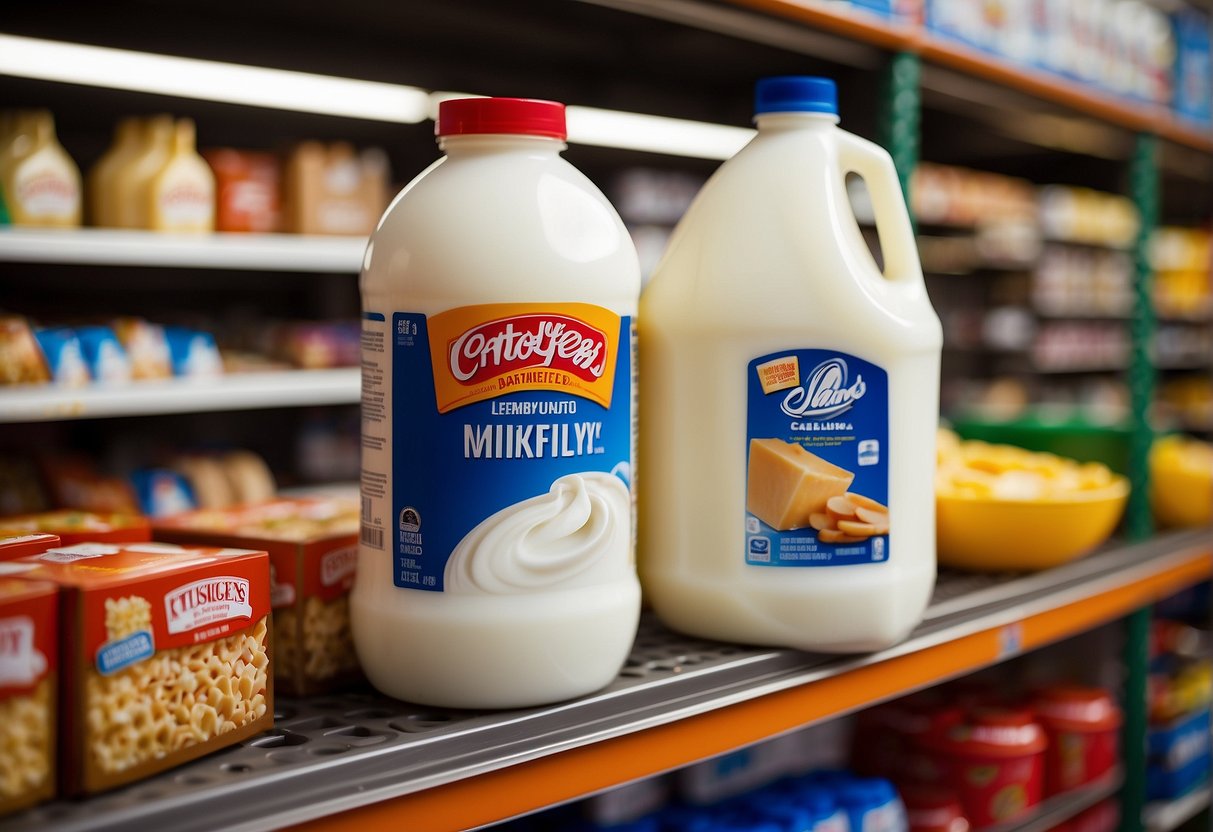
496 566
790 397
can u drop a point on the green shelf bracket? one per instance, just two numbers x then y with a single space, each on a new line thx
1143 186
901 113
1143 183
1137 660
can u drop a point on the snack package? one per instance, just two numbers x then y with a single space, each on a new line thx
193 353
208 480
21 359
162 492
313 547
146 346
29 664
246 196
165 655
79 526
64 357
107 361
334 190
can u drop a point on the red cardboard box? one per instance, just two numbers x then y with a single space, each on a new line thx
313 548
165 655
28 677
81 526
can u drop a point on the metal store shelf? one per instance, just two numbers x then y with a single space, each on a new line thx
237 391
1058 809
361 761
1165 815
118 247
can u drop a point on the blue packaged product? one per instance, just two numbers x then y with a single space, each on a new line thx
192 353
64 356
872 805
104 354
1193 81
1179 756
812 794
162 492
883 8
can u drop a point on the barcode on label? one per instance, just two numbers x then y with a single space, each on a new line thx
366 509
372 537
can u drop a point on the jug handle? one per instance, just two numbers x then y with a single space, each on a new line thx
870 161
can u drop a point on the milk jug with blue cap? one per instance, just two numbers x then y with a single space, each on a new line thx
791 397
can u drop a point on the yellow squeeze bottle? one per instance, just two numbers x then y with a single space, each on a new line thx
181 196
41 182
130 183
99 187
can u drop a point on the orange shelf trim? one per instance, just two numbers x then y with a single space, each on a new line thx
571 774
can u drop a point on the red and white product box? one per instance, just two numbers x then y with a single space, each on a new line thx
80 526
165 655
313 548
15 545
29 664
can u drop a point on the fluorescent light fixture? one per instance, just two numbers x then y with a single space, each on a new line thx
304 92
655 134
279 89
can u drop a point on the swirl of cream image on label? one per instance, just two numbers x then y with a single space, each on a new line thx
576 534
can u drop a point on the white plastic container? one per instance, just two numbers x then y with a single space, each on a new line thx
780 367
497 565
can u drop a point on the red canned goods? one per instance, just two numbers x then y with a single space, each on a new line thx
1083 725
994 759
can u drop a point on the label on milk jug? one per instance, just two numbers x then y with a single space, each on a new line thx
817 460
511 448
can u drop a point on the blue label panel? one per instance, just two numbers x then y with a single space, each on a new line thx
451 471
817 460
116 655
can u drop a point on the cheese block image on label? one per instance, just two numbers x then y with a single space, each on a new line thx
787 484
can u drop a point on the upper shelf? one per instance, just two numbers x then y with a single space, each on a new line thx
871 29
361 761
235 391
116 247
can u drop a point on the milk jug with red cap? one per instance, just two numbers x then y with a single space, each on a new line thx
496 564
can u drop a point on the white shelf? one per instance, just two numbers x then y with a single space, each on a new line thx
117 247
238 391
1165 815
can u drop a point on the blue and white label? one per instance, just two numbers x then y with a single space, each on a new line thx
817 460
511 448
116 655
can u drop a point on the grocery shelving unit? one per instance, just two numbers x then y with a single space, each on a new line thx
1164 816
359 761
233 391
248 252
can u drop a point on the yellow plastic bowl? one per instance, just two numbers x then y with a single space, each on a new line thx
984 534
1181 497
1181 481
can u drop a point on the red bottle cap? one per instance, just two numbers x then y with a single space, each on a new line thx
514 116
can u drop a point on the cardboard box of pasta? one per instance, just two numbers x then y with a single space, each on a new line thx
164 655
15 545
28 665
313 546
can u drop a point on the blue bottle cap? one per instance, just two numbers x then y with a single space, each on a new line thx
795 94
